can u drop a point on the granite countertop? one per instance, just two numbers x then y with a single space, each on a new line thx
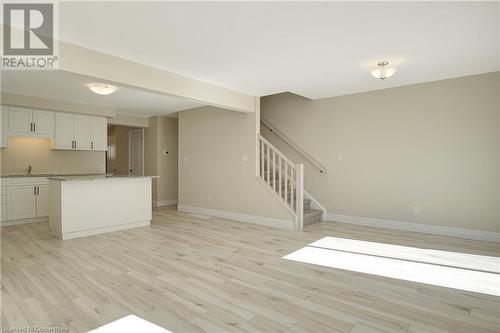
98 177
47 175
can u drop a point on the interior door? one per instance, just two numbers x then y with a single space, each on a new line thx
42 201
21 120
44 122
82 132
64 131
136 152
111 155
21 202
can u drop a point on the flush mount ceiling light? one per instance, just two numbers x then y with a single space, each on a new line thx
383 71
102 89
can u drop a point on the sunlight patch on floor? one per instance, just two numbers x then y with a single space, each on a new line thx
130 324
441 268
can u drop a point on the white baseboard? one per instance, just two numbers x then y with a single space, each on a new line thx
25 221
168 202
488 236
84 233
265 221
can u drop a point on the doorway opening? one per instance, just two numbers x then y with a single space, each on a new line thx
125 155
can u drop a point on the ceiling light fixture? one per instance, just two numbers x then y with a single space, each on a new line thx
102 89
383 71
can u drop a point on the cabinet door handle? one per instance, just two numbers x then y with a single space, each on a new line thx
75 144
92 145
31 127
34 127
38 190
34 190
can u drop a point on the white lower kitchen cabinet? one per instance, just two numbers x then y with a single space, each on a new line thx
21 202
3 200
4 126
3 212
25 198
42 201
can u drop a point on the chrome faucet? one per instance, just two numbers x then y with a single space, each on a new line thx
29 169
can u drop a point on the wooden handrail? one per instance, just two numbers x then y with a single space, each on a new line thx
292 144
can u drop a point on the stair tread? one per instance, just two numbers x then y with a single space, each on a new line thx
312 212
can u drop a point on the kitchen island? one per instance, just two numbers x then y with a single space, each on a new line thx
83 206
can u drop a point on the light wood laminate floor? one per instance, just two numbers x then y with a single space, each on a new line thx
190 274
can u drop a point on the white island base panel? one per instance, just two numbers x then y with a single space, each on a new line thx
83 207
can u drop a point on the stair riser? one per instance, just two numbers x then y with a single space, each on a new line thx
315 219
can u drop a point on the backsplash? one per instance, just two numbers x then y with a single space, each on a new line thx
24 151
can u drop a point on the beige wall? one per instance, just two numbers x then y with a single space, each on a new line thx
160 136
167 162
126 120
35 151
434 145
212 143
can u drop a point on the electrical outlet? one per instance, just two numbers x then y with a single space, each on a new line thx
416 210
244 158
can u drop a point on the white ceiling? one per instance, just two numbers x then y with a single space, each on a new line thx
315 49
69 87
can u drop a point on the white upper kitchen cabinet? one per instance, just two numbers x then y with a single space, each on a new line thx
4 126
43 122
82 132
63 138
99 133
31 122
21 120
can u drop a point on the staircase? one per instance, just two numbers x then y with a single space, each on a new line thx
311 215
286 180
